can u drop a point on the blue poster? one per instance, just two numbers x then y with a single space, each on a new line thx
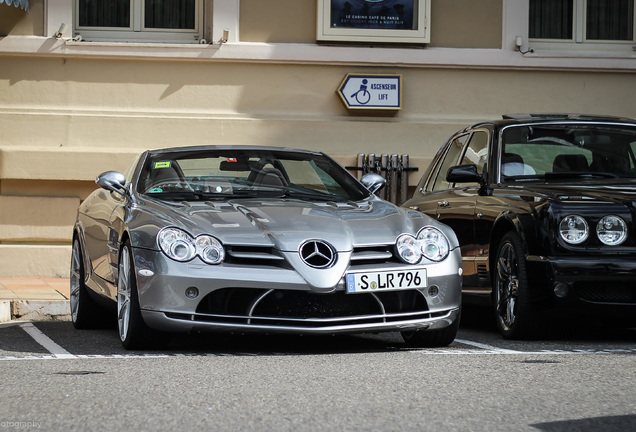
373 14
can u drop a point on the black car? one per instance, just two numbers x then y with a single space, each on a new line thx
544 207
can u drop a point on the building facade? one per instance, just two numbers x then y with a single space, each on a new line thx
86 85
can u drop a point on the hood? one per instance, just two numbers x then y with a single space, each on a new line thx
592 193
286 223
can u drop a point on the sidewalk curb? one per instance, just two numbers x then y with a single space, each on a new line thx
35 310
5 311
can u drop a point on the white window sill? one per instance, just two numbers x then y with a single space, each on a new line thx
321 54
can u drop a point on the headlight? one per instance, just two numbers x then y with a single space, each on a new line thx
433 244
177 244
573 229
408 249
210 249
180 246
611 230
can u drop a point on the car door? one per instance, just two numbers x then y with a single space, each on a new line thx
457 209
99 233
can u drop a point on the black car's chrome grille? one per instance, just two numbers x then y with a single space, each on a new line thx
597 292
302 309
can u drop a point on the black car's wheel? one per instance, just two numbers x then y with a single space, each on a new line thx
515 315
431 338
85 313
133 331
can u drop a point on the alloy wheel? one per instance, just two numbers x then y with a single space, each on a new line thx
76 279
507 285
123 294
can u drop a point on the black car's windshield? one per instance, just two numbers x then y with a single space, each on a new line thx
244 173
568 152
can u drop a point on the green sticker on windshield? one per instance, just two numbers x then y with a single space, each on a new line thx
163 164
155 190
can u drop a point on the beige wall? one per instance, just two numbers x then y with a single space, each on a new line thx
66 116
14 21
466 23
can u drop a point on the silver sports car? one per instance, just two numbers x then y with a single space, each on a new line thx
258 239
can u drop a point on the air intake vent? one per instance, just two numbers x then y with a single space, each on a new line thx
482 272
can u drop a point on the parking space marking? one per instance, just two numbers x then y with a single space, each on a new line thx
56 350
487 347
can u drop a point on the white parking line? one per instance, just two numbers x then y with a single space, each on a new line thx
56 352
46 342
488 347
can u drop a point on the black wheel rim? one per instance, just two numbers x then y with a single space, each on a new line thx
507 285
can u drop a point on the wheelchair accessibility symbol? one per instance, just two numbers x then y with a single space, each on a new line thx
362 96
379 92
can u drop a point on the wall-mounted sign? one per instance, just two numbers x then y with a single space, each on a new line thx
378 92
392 21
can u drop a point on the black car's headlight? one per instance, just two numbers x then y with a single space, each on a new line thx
430 243
180 246
611 230
574 229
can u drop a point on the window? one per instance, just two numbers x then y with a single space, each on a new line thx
139 20
477 151
476 154
586 24
450 159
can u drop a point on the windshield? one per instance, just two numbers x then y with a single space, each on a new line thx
568 151
242 173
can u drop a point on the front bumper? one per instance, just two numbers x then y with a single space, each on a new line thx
593 283
276 299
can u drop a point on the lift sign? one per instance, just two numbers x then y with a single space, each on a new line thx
379 92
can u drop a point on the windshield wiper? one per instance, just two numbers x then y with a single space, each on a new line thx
309 195
188 196
202 196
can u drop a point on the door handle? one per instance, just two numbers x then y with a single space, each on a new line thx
443 203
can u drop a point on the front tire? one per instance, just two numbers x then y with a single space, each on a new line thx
85 313
432 338
515 314
133 331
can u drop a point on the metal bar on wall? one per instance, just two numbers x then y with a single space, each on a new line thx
395 170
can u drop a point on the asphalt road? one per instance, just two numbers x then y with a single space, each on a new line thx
57 378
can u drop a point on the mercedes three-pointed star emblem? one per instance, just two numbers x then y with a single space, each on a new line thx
317 254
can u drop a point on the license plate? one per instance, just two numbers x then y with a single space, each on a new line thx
394 280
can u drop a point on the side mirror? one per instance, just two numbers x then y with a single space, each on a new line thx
373 182
113 181
463 174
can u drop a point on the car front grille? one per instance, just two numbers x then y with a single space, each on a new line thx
300 309
254 255
269 256
604 293
379 254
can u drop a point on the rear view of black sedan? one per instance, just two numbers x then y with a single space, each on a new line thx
544 207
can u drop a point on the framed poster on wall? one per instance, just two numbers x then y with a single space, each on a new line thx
398 21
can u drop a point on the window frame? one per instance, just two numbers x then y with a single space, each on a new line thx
579 41
421 35
136 32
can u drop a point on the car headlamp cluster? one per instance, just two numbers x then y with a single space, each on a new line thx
610 230
429 243
180 246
